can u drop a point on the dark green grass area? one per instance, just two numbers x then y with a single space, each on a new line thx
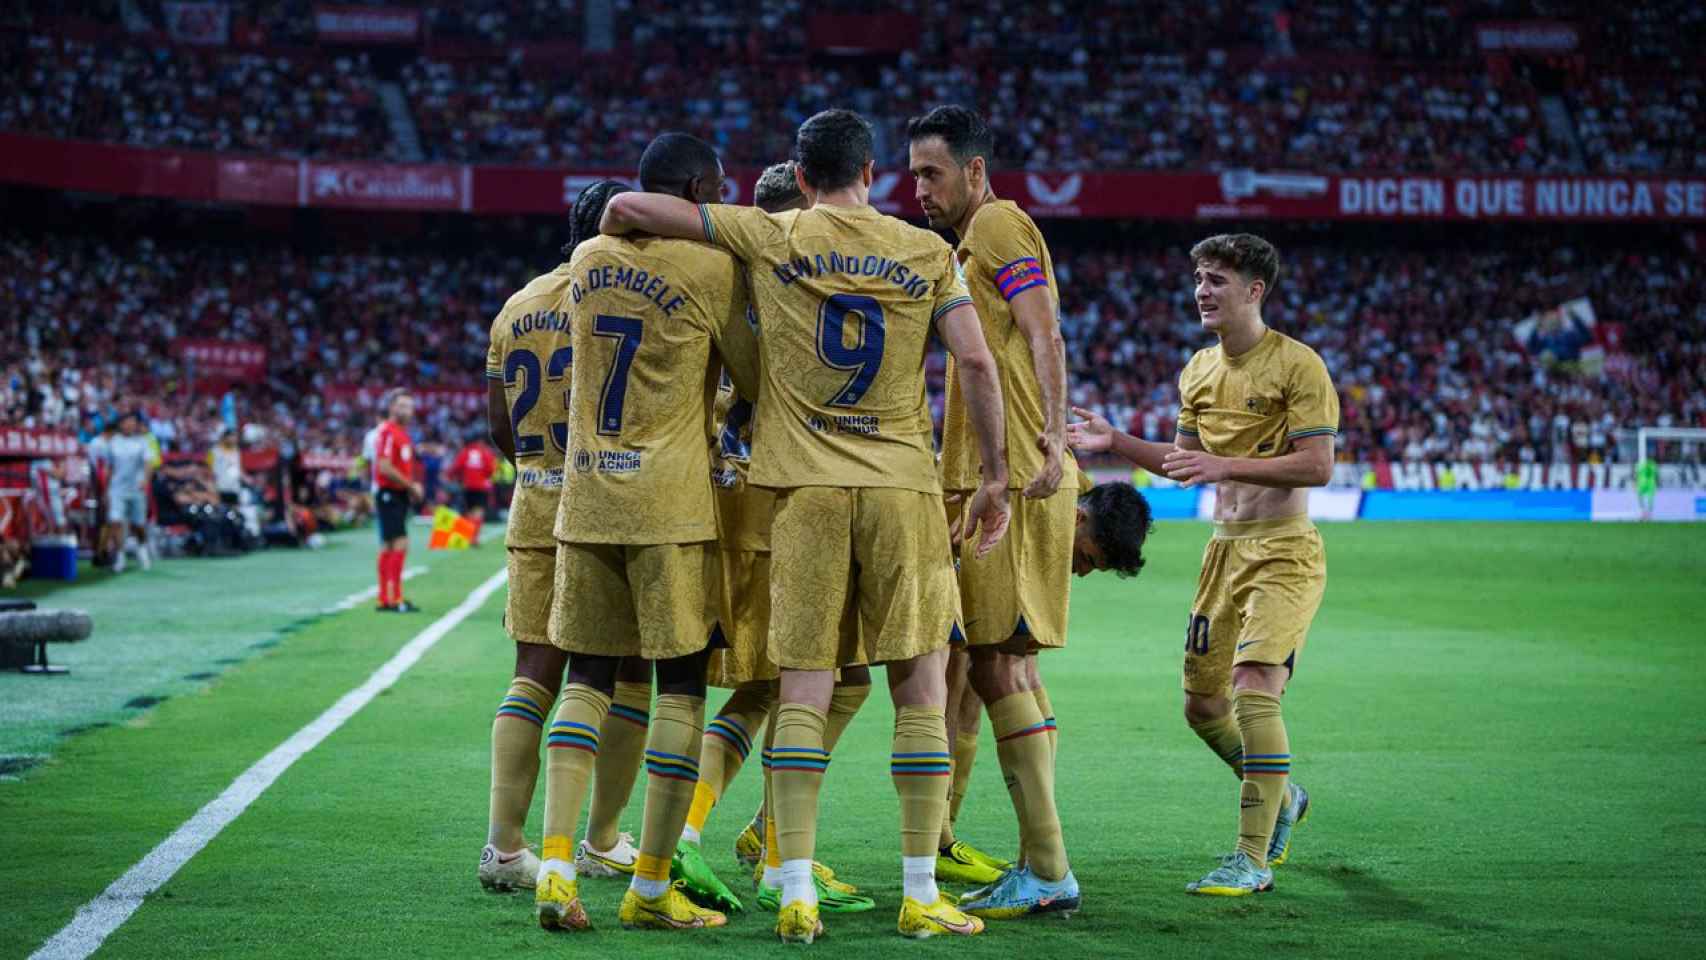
1500 725
164 632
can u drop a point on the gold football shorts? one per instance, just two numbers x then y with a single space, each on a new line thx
656 601
1261 583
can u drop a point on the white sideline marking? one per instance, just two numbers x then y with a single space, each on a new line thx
362 596
97 919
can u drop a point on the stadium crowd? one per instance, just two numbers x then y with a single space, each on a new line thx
1059 97
1422 338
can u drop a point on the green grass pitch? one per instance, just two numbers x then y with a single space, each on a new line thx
1500 725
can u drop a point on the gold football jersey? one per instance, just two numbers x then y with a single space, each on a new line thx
1257 403
648 318
530 354
848 297
1002 255
743 510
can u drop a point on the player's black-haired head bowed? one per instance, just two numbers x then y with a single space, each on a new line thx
589 209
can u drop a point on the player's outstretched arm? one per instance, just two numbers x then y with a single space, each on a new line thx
1033 311
497 419
1092 433
654 213
963 335
1309 464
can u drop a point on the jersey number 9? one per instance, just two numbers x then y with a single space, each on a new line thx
864 358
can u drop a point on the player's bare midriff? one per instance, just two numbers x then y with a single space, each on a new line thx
1236 501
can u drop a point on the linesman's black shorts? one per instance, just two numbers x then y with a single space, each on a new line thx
476 498
393 509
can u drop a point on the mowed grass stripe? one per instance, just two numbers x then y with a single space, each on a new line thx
108 797
1496 769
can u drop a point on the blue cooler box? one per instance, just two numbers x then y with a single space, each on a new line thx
54 558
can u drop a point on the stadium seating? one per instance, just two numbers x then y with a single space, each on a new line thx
1175 92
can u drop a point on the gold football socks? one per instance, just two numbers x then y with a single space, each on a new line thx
622 744
1223 737
1021 740
724 749
571 749
1267 768
672 771
515 760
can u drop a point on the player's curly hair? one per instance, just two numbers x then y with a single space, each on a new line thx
1120 522
776 187
588 210
1245 253
962 130
833 147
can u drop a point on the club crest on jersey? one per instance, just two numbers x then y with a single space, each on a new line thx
1260 406
583 461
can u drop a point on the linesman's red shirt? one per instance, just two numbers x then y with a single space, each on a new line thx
473 467
393 447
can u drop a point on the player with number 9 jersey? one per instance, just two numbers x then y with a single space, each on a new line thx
850 296
843 403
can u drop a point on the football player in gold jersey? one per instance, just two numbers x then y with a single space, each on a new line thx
1257 417
744 665
848 298
1016 598
527 369
653 324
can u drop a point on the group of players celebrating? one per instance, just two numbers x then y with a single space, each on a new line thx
727 476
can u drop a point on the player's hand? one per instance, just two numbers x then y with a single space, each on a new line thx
1091 434
1047 480
1193 467
954 505
416 491
988 517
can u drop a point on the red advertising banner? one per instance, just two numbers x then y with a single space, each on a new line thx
203 23
1227 195
222 359
343 24
25 442
384 186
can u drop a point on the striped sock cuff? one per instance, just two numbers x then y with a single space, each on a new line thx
1030 731
569 735
729 730
672 766
639 718
803 759
1271 764
929 764
1048 724
522 708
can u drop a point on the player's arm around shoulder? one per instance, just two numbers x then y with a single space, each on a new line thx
654 213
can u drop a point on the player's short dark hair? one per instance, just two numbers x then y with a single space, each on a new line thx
833 147
589 209
672 160
776 187
1119 524
1246 253
964 132
389 397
